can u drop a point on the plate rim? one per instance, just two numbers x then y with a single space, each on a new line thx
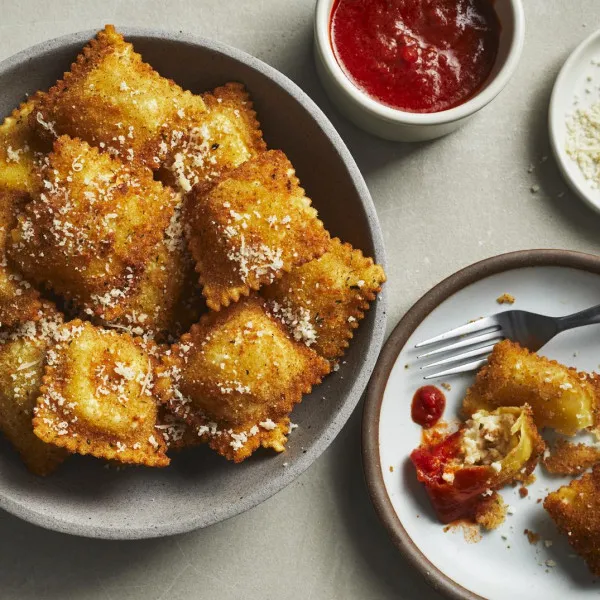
378 307
554 118
466 276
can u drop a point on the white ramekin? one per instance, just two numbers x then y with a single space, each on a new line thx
398 125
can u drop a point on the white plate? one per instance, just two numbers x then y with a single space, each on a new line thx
503 564
572 84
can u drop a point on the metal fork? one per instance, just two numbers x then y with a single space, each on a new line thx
477 339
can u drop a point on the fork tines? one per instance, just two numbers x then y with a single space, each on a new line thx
478 338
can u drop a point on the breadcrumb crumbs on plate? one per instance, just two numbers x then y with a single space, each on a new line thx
532 537
505 299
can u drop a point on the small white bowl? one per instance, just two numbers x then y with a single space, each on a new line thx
572 82
397 125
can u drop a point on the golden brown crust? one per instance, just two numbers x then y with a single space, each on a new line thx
97 397
562 398
19 301
91 231
168 299
571 459
237 375
110 85
323 301
490 511
575 509
227 135
22 358
176 433
21 150
250 227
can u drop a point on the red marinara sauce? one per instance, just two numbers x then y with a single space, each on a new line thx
454 499
427 406
419 56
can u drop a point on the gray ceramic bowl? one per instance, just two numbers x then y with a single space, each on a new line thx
200 488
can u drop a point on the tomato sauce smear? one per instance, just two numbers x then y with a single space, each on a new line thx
419 56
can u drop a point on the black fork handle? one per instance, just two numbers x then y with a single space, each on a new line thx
589 316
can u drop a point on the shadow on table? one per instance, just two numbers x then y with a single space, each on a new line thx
372 543
40 564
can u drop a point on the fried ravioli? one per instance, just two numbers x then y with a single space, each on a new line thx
89 234
322 301
575 509
21 150
227 135
236 376
114 100
97 397
250 227
561 397
168 300
571 459
19 301
20 155
22 357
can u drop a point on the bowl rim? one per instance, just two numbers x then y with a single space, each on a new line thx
434 576
556 121
394 115
285 476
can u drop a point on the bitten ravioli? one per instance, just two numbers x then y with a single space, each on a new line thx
22 358
575 509
97 397
89 234
114 100
250 227
227 135
322 301
561 397
236 376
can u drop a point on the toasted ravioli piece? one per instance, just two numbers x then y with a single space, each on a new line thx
561 397
22 357
97 397
575 509
489 451
571 459
168 300
19 301
21 150
89 234
322 301
112 99
176 433
227 135
236 376
250 227
238 444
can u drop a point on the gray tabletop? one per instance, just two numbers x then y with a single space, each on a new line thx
442 205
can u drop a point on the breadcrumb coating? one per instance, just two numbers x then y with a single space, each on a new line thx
22 359
323 301
112 99
250 227
88 235
97 397
561 398
236 376
575 509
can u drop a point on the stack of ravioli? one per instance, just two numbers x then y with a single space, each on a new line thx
165 281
